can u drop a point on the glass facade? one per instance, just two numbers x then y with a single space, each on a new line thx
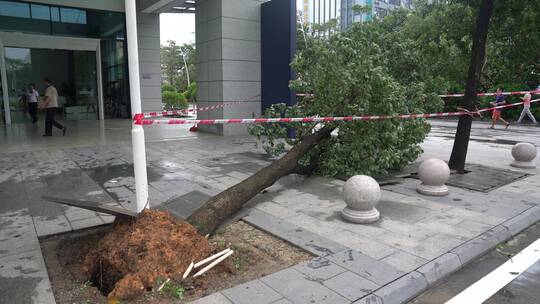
73 73
322 11
109 27
379 8
34 18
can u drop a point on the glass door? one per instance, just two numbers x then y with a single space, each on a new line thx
115 79
19 75
84 102
73 73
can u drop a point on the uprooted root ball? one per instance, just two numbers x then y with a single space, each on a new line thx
136 253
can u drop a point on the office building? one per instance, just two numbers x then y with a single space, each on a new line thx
378 8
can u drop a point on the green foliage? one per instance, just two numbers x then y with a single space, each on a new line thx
238 264
171 288
362 9
191 92
178 63
443 30
167 88
396 65
512 55
174 100
443 35
365 71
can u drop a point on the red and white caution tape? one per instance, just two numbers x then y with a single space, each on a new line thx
316 119
493 94
286 120
186 111
461 94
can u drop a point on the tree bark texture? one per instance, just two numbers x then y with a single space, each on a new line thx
220 207
463 132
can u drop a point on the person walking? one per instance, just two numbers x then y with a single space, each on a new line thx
526 109
32 96
50 104
496 115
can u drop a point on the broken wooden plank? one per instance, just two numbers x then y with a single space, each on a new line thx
90 205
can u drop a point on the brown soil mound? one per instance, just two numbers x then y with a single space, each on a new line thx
136 253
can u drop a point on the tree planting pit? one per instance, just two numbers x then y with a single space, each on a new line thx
131 259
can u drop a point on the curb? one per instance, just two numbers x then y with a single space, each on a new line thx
411 285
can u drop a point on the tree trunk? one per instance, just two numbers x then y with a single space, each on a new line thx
228 202
463 132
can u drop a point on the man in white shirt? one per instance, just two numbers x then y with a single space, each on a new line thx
32 96
50 104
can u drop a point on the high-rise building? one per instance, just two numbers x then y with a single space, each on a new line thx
322 11
305 10
379 8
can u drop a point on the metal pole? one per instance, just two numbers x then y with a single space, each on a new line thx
137 132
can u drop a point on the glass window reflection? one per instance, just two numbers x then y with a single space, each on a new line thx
72 15
55 14
41 12
14 9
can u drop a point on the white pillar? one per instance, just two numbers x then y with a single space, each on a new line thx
5 90
137 132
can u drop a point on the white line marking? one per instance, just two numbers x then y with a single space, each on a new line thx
500 277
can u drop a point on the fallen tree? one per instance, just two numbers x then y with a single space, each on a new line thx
207 218
367 70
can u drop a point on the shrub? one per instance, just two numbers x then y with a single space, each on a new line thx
167 88
174 100
191 92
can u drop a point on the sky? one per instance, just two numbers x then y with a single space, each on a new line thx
181 27
177 27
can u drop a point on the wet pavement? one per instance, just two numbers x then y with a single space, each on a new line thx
94 162
525 289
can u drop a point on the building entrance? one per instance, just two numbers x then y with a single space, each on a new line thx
73 73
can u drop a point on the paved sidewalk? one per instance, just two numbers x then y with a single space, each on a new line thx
417 241
97 167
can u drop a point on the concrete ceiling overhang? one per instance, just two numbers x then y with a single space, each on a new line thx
167 6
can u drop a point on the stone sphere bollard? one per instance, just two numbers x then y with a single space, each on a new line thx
361 193
524 154
433 173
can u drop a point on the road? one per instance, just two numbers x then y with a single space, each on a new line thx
525 289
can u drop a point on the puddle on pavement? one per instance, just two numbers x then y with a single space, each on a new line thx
101 175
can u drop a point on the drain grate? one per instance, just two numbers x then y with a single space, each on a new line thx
484 178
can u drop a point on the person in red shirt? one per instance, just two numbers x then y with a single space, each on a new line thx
496 115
